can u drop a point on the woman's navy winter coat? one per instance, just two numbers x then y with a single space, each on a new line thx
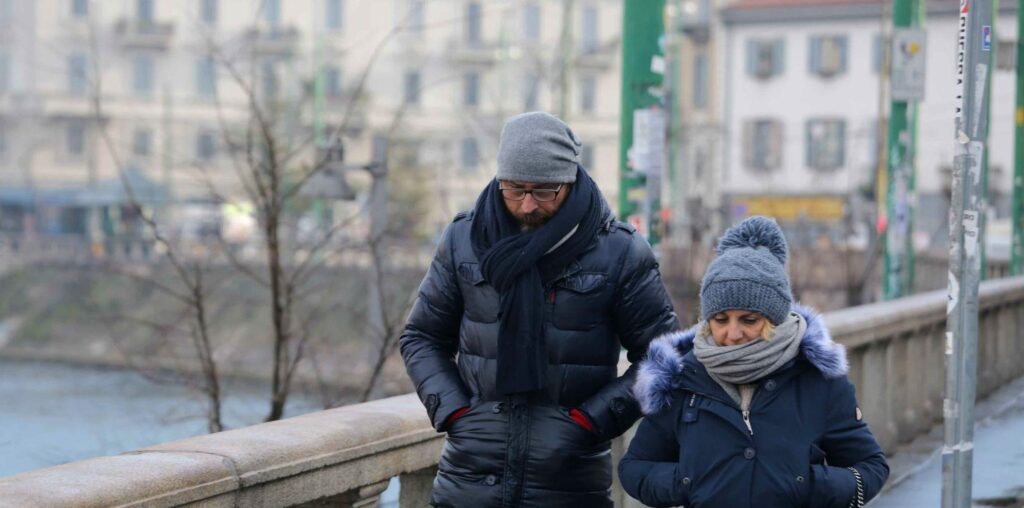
527 451
694 449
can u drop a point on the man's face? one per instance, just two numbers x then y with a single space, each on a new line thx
530 212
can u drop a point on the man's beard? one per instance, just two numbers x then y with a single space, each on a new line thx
533 220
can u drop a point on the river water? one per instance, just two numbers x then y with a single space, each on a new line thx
53 413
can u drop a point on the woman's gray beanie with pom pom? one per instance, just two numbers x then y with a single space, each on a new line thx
749 272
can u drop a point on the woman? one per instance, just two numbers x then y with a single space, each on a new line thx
751 407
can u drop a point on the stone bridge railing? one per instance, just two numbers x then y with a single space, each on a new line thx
347 456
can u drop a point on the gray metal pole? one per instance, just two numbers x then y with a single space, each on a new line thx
974 57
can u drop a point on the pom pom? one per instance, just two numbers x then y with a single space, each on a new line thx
755 232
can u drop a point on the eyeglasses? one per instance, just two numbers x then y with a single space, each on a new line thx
539 195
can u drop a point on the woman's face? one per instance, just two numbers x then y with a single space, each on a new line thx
736 327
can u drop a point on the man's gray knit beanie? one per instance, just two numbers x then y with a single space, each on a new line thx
749 272
537 148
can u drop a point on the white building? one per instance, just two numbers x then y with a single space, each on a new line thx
169 75
801 108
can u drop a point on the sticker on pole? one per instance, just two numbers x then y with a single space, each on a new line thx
986 38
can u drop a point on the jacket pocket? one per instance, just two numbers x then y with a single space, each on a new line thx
579 301
480 300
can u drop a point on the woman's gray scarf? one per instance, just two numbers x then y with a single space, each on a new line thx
730 366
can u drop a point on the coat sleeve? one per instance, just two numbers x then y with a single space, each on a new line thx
642 311
847 442
649 471
431 338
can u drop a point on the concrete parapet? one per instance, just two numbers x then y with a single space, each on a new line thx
329 454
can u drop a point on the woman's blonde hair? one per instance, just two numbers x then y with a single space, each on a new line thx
766 333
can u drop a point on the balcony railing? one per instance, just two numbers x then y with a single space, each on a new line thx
135 33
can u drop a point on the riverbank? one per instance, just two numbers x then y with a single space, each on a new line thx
97 316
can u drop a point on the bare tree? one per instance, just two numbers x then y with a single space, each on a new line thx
192 292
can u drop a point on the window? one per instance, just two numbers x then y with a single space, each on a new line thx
416 14
272 13
74 140
471 89
473 20
531 21
587 157
762 144
206 145
142 140
1006 55
80 8
142 75
588 94
700 81
412 87
765 58
826 140
335 15
530 90
208 11
589 37
269 79
206 77
828 55
5 72
332 82
470 154
144 11
77 74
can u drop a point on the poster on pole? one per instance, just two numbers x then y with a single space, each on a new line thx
648 151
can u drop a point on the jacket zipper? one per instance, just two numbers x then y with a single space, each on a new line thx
745 413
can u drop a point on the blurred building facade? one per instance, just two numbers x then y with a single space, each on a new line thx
93 90
793 119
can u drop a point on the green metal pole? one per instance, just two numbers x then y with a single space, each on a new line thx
897 272
642 27
983 191
677 180
1017 252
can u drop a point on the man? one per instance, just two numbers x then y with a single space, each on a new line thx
514 340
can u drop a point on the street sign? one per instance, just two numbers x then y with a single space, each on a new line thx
908 51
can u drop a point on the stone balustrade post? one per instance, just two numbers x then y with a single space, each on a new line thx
415 488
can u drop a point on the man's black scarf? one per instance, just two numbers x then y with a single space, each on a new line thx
515 264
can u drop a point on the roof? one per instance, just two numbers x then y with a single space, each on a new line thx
770 11
767 4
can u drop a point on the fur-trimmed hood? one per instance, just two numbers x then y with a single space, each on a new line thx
661 372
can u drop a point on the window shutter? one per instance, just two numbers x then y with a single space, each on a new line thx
779 56
776 145
841 158
752 58
814 57
748 144
842 43
809 144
